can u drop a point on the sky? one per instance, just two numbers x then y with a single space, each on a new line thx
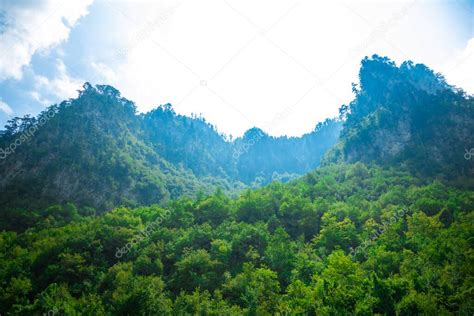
280 65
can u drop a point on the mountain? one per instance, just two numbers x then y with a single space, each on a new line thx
407 115
384 227
89 151
255 157
274 158
96 151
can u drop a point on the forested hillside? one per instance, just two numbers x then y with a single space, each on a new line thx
348 239
89 151
408 115
96 151
255 158
385 227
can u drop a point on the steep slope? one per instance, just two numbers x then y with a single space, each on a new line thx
89 151
188 141
407 115
96 151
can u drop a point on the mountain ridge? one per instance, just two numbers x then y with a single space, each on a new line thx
97 151
407 115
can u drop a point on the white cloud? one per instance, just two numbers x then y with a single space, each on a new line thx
156 52
60 87
34 26
39 98
459 71
103 72
5 108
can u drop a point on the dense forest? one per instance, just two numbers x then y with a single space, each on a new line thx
119 213
346 239
97 151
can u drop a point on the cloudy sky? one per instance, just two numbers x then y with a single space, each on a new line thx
279 65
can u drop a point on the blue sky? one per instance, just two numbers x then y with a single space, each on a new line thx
279 65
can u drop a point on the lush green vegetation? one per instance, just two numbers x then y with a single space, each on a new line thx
281 249
385 227
96 151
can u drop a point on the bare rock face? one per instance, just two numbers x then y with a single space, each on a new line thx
393 142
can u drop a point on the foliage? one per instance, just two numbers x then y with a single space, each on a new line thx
211 257
381 229
96 151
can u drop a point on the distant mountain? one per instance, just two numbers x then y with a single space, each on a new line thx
410 116
96 151
262 158
253 158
